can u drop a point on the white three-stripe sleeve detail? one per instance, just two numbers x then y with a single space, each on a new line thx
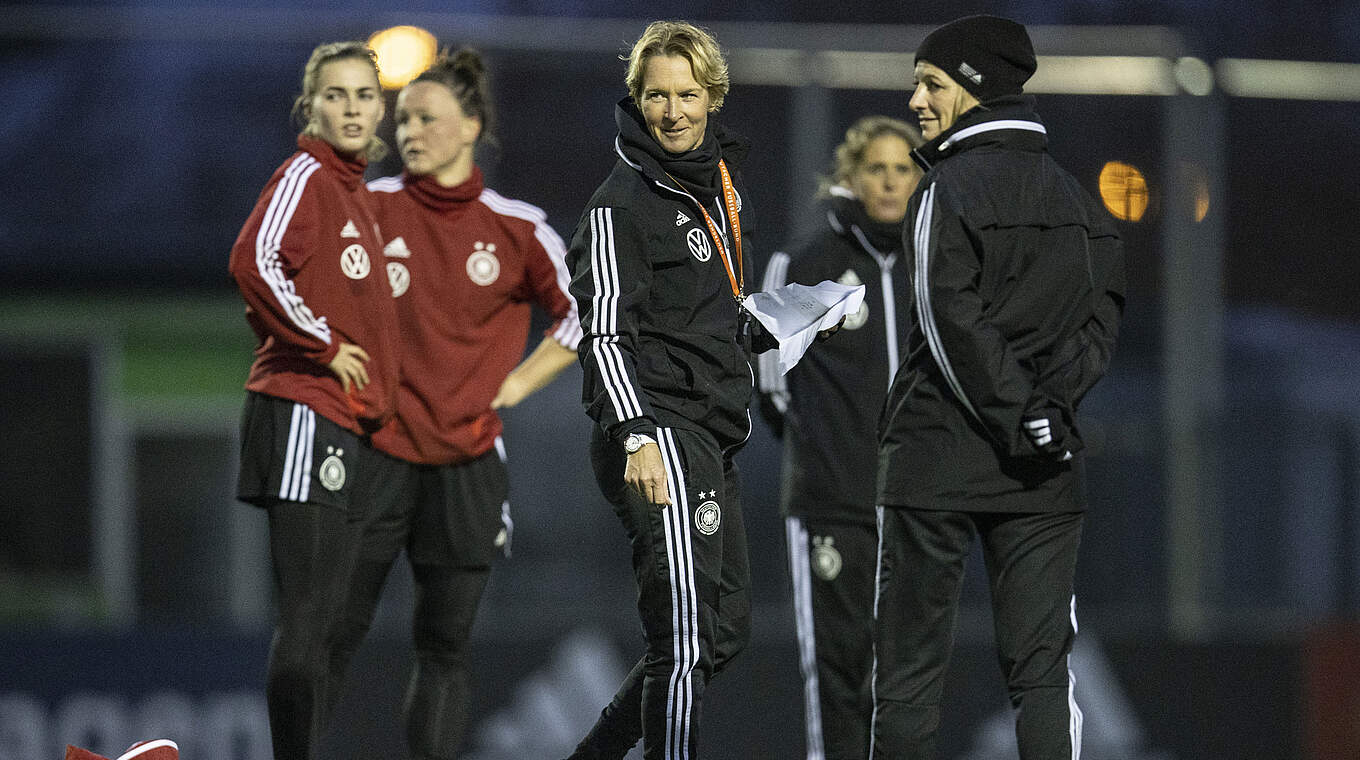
776 275
924 310
604 319
800 570
598 273
609 254
269 241
610 361
568 329
601 297
684 597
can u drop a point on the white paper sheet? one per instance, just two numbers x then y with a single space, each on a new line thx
795 313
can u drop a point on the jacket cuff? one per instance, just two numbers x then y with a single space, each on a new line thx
1041 399
324 356
762 340
638 425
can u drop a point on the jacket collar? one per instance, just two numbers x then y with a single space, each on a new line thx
1004 122
846 216
426 189
350 171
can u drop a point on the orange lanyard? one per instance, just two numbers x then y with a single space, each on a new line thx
737 276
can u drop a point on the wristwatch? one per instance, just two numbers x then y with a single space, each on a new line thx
633 442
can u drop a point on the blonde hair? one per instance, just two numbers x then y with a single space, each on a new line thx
323 54
688 41
850 153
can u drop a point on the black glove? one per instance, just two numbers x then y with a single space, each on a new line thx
1047 433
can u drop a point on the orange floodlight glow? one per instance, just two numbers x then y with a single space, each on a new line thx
403 53
1124 191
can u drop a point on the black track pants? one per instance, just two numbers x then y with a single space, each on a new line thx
1031 560
832 567
692 571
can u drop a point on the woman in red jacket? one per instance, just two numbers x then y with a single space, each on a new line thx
466 265
308 264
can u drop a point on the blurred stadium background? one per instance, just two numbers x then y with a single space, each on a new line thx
1220 579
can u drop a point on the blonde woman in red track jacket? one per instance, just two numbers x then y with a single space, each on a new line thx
466 265
308 263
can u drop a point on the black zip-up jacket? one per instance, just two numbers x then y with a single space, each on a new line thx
660 322
828 405
1018 287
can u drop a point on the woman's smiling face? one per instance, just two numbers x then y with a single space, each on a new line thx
938 100
674 105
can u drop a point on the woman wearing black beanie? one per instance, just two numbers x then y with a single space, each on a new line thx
1017 277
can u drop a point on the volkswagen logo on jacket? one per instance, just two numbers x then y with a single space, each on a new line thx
698 244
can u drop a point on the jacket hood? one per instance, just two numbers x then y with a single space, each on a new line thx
697 167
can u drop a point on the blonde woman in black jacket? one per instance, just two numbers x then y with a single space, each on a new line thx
827 409
657 272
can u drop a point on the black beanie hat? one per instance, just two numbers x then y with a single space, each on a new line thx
987 55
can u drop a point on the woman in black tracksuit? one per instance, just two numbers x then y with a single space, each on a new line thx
656 265
826 409
1017 280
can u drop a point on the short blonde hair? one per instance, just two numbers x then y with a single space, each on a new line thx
311 80
688 41
850 153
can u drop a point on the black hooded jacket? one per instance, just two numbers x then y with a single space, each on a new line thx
1018 285
828 405
660 323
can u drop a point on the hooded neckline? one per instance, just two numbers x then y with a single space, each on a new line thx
695 170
